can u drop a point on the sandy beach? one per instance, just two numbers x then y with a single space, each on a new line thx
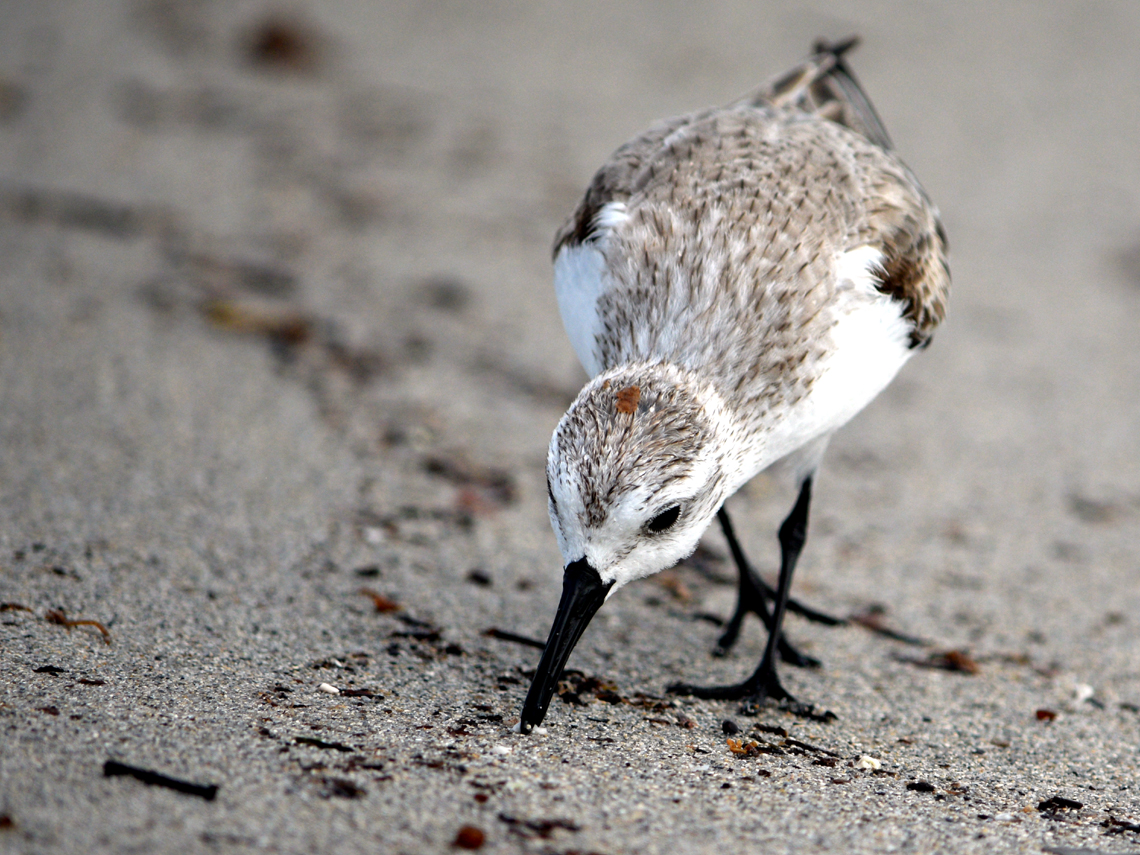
280 359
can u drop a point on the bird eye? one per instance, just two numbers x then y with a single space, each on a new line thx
664 520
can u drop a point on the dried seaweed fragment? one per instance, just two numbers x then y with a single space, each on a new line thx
57 616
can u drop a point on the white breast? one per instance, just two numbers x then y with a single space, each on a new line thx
869 343
870 340
580 278
579 274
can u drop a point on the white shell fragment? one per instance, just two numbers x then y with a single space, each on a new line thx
1082 692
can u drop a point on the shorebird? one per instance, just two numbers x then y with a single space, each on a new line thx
738 282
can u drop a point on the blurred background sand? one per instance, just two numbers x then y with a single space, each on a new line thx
276 323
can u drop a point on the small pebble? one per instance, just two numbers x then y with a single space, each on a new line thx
328 688
868 762
479 577
469 837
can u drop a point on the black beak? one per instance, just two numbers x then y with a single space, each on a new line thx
583 593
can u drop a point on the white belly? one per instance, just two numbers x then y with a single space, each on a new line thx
579 280
868 344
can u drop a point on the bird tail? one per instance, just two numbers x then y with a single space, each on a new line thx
825 85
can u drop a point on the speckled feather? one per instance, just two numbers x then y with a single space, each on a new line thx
800 170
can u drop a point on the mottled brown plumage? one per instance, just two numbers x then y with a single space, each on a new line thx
805 170
739 282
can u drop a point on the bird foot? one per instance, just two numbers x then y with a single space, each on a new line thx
762 686
754 693
754 597
788 653
814 615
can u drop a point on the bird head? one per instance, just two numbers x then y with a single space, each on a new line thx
635 475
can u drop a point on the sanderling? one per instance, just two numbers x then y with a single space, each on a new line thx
738 282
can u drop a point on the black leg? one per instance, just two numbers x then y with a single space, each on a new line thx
753 595
764 684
